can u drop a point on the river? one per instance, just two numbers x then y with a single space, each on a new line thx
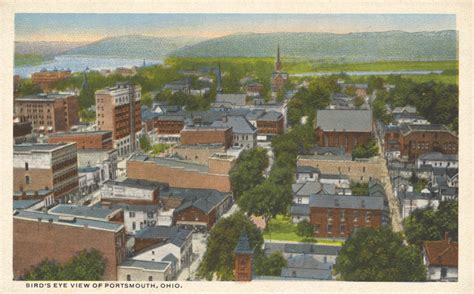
80 63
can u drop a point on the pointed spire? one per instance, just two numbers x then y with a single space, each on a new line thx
278 53
243 245
219 79
278 62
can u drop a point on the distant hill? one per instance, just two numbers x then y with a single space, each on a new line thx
134 46
352 47
44 48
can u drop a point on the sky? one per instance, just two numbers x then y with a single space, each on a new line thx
91 27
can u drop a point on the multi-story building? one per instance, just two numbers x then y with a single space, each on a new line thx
271 123
21 131
279 78
118 110
48 113
168 128
46 78
244 133
207 135
418 139
181 173
38 236
46 167
441 259
99 140
346 128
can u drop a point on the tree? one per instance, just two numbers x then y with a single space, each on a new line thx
86 265
304 229
47 270
146 100
145 143
223 238
379 255
271 265
360 189
248 170
429 224
365 151
358 101
266 200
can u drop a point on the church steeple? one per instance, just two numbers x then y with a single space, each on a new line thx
278 62
243 261
219 79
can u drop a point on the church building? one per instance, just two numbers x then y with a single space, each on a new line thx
279 77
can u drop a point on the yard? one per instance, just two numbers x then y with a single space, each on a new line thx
282 229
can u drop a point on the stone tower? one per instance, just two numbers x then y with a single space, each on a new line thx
243 262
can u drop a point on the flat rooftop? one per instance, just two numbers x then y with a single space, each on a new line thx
173 163
38 147
88 212
44 97
36 216
85 133
135 183
146 265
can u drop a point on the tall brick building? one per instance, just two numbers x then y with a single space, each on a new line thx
279 78
99 140
207 135
118 110
37 236
346 128
418 139
48 112
46 167
271 123
46 78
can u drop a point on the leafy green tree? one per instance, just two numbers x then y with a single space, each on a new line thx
145 143
248 170
365 151
146 100
304 229
358 101
379 255
223 238
429 224
28 88
359 189
271 265
47 270
87 265
266 200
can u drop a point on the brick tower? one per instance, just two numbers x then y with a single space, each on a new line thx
243 261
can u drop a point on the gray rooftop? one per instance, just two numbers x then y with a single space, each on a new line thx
438 156
38 147
239 124
44 97
79 133
255 114
78 222
243 245
233 99
146 265
174 163
300 209
173 234
135 183
271 116
344 120
406 129
348 202
202 199
307 169
89 212
24 204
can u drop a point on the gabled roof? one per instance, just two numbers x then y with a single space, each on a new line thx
173 234
441 253
344 120
405 109
239 124
233 99
300 209
202 199
271 115
243 245
438 156
348 202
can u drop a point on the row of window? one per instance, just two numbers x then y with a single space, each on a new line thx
355 215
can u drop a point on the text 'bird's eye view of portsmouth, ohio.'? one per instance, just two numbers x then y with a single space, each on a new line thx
174 147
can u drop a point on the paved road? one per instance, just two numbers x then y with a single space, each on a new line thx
199 248
392 199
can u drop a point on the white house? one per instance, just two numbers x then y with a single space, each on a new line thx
441 259
438 159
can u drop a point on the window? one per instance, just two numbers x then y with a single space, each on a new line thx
131 214
343 229
134 225
150 278
242 264
367 216
293 274
325 259
444 272
356 215
299 200
27 180
329 229
153 253
150 214
129 277
316 229
343 215
26 165
329 214
363 169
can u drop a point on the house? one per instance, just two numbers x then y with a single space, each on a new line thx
321 253
140 270
299 212
412 119
163 242
183 85
307 174
346 128
244 133
306 267
220 133
409 201
198 208
441 259
437 159
89 179
254 89
302 191
270 124
403 110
